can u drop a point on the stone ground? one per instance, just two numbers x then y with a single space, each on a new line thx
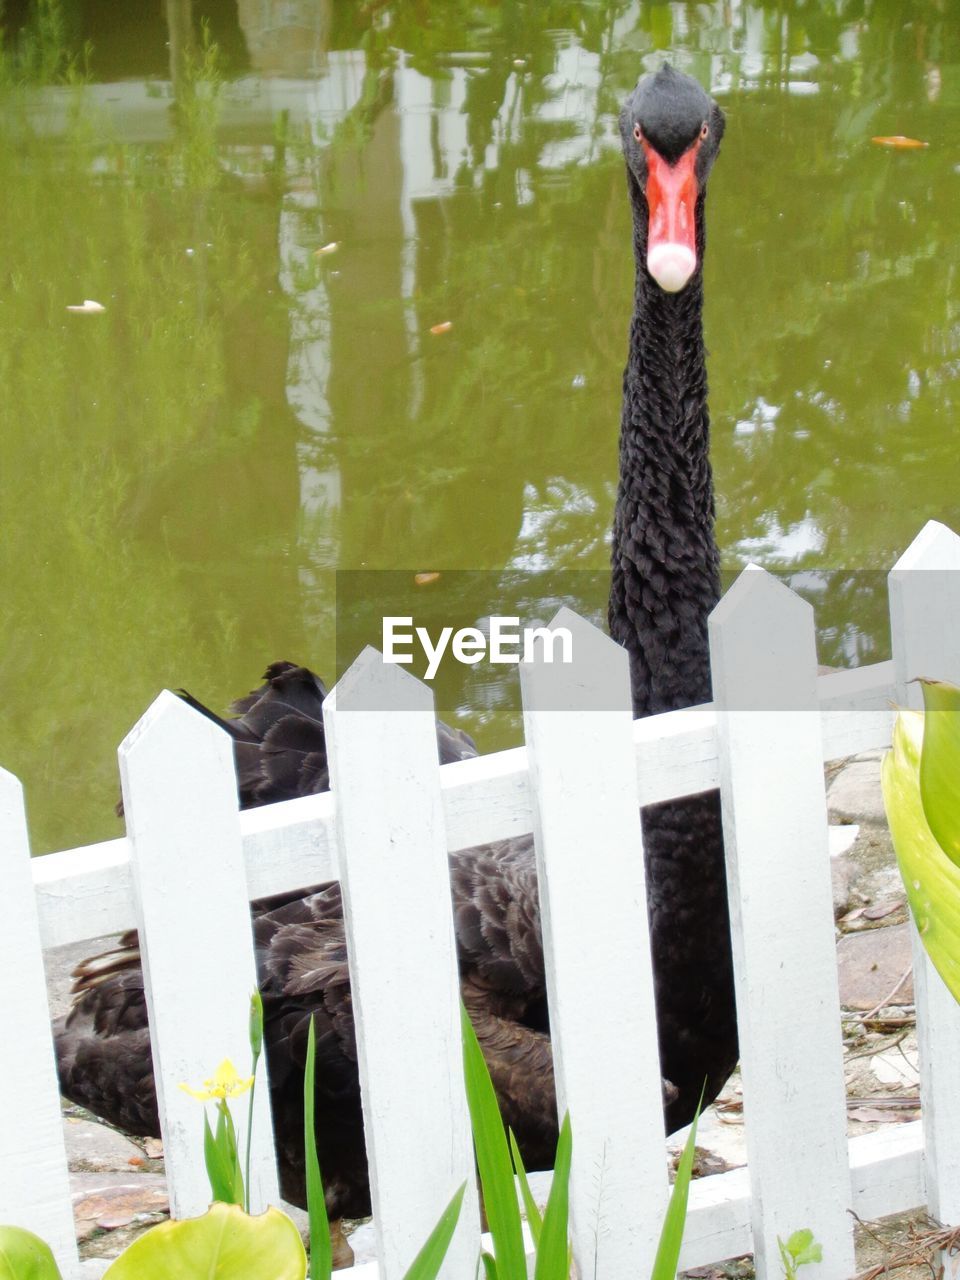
118 1184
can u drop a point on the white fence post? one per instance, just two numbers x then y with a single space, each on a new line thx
34 1185
385 776
578 723
924 589
763 656
180 800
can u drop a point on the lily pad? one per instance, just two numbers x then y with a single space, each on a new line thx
225 1242
24 1256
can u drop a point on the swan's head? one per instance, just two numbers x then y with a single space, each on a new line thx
671 133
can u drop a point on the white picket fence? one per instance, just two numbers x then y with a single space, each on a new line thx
190 862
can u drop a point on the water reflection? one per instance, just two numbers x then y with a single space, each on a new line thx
185 472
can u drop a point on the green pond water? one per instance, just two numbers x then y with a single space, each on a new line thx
184 472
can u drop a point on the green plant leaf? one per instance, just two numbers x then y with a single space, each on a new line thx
799 1249
799 1241
225 1242
24 1256
534 1220
430 1258
255 1025
940 764
489 1266
812 1253
553 1251
930 878
321 1250
226 1142
671 1233
786 1261
493 1160
219 1169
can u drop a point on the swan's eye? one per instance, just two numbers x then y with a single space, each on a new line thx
704 130
638 133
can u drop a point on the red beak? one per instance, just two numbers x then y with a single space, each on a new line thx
672 201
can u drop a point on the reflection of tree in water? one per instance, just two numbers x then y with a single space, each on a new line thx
853 614
129 39
863 339
127 484
483 398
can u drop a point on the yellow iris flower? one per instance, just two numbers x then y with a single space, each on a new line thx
224 1083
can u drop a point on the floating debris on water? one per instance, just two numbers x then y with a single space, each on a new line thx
898 141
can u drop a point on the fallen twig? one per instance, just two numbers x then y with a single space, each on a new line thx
866 1017
918 1252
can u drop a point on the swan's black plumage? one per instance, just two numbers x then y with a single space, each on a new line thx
664 582
665 579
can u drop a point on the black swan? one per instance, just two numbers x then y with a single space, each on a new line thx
664 582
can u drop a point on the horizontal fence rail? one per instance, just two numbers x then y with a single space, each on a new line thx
190 862
87 892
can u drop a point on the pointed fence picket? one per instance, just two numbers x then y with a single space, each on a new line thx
764 661
180 801
593 909
382 746
184 874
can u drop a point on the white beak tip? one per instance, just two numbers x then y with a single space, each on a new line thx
671 265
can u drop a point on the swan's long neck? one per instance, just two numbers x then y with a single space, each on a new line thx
665 576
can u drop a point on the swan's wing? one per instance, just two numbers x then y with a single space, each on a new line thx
103 1043
302 955
497 921
520 1063
288 689
302 964
279 742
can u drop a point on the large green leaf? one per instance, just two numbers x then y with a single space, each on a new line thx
24 1256
493 1160
321 1248
226 1140
931 879
221 1173
671 1233
225 1242
940 764
534 1217
430 1258
553 1249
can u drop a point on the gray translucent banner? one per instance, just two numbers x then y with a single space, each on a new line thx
465 633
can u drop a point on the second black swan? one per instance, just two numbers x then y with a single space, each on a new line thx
665 581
